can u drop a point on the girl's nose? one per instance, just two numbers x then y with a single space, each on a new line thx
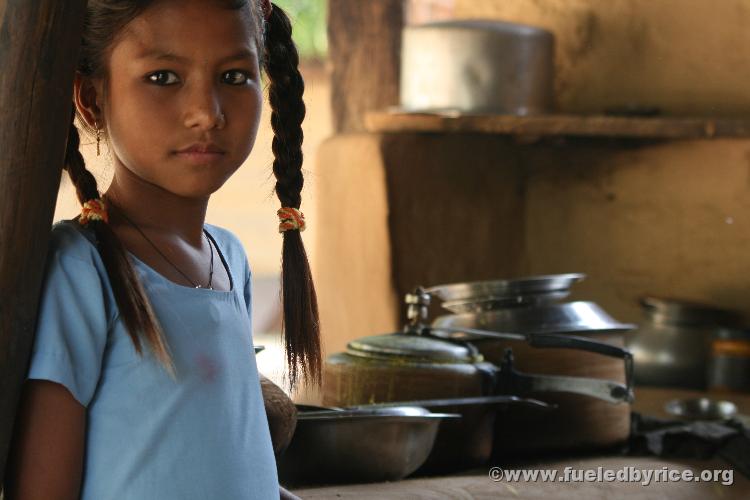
203 110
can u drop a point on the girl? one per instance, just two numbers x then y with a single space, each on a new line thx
142 382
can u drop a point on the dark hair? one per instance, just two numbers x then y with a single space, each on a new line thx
104 21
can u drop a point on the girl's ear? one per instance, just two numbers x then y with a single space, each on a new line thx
87 95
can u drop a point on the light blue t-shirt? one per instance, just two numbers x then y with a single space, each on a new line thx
150 437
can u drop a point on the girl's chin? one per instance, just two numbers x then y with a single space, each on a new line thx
198 190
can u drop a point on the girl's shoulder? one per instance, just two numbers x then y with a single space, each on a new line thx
229 243
223 235
70 240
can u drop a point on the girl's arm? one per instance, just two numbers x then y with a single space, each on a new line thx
46 455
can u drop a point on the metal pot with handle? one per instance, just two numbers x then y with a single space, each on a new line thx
531 306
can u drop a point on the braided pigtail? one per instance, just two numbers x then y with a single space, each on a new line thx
300 319
135 308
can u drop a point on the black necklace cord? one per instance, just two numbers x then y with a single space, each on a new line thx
153 245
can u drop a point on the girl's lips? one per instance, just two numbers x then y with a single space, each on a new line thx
201 153
207 147
199 157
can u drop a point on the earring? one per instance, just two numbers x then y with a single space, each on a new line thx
98 138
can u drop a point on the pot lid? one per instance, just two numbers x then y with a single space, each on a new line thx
482 295
579 317
414 347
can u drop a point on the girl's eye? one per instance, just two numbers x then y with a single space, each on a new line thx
235 77
163 78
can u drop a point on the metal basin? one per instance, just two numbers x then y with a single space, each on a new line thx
549 318
467 441
359 445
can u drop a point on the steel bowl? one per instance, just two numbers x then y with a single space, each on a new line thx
569 317
467 441
359 445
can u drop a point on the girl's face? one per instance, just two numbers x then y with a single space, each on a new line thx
184 74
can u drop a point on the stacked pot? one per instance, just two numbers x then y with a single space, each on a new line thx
534 306
461 356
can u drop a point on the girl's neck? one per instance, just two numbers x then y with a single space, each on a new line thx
154 209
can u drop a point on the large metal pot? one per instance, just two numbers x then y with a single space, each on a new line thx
672 345
596 422
477 66
404 367
528 305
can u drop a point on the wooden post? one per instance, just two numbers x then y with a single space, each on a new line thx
38 50
365 53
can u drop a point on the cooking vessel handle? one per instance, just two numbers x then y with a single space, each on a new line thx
554 340
606 390
511 381
499 400
573 342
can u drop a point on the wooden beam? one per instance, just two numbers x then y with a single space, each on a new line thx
660 127
38 50
365 52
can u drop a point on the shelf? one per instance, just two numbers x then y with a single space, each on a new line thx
559 125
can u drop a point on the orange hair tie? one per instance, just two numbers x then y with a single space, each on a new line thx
94 209
267 8
291 219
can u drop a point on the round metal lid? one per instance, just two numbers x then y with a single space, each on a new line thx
578 317
415 347
555 285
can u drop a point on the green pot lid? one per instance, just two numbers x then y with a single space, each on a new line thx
413 347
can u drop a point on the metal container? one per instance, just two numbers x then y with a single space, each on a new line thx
579 422
467 441
729 367
403 367
672 346
479 296
359 445
479 66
